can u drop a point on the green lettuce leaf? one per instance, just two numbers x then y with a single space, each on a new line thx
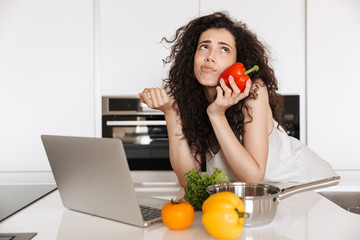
196 184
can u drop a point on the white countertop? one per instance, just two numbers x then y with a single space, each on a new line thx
302 216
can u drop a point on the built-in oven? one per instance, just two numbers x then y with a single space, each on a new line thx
144 134
142 130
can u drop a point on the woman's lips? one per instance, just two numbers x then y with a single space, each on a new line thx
207 69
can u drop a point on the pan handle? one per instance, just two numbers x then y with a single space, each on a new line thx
327 182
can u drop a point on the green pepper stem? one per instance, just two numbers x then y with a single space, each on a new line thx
175 202
254 68
241 214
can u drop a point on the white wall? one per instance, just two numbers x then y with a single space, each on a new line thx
333 83
131 52
46 74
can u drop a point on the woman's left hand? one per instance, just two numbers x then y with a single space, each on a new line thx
227 97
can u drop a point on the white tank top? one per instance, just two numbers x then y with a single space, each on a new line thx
289 160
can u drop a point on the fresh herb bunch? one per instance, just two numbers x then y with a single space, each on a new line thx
196 184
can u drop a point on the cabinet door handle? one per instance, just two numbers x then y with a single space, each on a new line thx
136 123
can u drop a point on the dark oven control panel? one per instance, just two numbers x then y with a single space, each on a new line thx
291 115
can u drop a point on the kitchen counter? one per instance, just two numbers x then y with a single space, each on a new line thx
306 215
303 216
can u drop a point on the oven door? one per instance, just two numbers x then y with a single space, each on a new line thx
144 138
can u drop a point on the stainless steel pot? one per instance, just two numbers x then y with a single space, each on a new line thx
261 200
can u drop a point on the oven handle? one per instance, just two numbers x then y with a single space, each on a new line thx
136 123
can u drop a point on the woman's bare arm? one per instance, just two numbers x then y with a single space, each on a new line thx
247 160
181 158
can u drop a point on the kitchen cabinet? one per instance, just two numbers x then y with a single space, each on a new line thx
47 83
280 24
333 51
130 34
57 59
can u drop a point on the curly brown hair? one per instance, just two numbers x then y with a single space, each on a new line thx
191 102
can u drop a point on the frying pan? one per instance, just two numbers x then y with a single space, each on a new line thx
261 200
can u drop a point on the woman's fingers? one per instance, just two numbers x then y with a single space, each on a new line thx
154 97
227 97
234 87
148 97
247 87
165 98
233 94
145 98
226 90
161 96
246 91
219 92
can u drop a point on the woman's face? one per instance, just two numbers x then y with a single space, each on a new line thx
215 52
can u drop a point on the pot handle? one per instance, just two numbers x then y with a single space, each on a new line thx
323 183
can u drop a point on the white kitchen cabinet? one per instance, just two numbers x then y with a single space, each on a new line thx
333 50
131 53
46 74
130 33
280 24
47 61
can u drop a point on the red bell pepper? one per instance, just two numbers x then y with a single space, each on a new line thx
239 73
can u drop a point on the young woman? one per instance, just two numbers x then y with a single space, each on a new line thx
224 127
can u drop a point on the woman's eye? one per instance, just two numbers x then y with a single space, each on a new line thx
225 50
203 47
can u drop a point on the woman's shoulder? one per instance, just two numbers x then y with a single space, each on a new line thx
258 91
259 85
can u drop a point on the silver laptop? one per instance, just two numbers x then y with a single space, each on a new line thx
93 176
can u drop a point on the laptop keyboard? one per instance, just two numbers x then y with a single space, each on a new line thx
150 213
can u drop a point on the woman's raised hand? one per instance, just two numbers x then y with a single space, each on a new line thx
156 98
227 97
